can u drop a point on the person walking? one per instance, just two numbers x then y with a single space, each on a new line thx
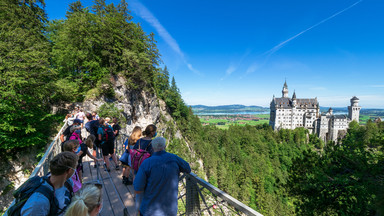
106 137
136 134
157 180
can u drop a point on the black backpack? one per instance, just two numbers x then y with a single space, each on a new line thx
92 127
108 135
35 185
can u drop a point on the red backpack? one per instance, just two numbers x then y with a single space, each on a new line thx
138 156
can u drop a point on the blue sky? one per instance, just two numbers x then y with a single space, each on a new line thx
240 52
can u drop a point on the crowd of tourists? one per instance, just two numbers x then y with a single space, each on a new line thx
153 172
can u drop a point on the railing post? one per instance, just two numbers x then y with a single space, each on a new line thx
193 202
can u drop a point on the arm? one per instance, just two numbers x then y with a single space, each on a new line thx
140 179
183 165
93 157
62 137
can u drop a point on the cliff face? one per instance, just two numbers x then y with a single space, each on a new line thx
139 107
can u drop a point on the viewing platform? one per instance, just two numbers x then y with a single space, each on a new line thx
196 196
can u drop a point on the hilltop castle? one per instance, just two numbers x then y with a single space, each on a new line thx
290 113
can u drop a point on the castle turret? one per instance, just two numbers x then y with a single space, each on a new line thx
285 90
294 99
354 109
330 111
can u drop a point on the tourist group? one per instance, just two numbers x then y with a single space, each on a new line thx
153 172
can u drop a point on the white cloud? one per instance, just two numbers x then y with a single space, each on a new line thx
146 15
230 70
252 68
280 45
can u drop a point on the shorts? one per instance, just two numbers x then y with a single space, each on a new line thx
108 148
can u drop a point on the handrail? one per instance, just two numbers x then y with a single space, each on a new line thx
193 194
53 149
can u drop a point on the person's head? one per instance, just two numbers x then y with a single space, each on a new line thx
76 122
68 116
94 113
89 116
88 201
74 128
71 145
107 120
136 134
89 142
114 120
81 110
102 121
150 131
64 164
158 144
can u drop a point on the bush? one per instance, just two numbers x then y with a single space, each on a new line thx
110 110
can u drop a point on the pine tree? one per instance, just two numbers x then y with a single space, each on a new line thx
25 81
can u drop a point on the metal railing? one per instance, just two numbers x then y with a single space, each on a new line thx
54 148
198 197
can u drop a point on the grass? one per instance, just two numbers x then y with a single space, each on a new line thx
364 118
225 123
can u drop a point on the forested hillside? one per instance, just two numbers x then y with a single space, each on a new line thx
51 63
291 172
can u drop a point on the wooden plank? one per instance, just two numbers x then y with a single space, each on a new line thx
107 206
86 172
125 194
118 207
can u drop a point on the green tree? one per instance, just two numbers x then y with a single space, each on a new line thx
25 73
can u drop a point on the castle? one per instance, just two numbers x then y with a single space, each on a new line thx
290 113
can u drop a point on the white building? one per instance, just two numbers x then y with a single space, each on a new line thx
290 113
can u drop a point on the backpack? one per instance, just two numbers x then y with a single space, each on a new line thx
108 135
92 127
35 185
138 156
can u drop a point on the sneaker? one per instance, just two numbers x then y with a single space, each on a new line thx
117 167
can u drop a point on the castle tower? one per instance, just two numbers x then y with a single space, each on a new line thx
294 99
354 109
285 90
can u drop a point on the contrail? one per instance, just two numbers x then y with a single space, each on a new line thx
277 47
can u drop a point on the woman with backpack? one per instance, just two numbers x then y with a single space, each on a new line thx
76 134
143 144
106 137
136 134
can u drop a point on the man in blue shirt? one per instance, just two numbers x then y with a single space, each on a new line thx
158 179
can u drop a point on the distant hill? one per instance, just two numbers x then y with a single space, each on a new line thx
235 108
238 108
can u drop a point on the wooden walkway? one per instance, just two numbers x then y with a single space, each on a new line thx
116 195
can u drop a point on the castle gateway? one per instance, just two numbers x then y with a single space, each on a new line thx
290 113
